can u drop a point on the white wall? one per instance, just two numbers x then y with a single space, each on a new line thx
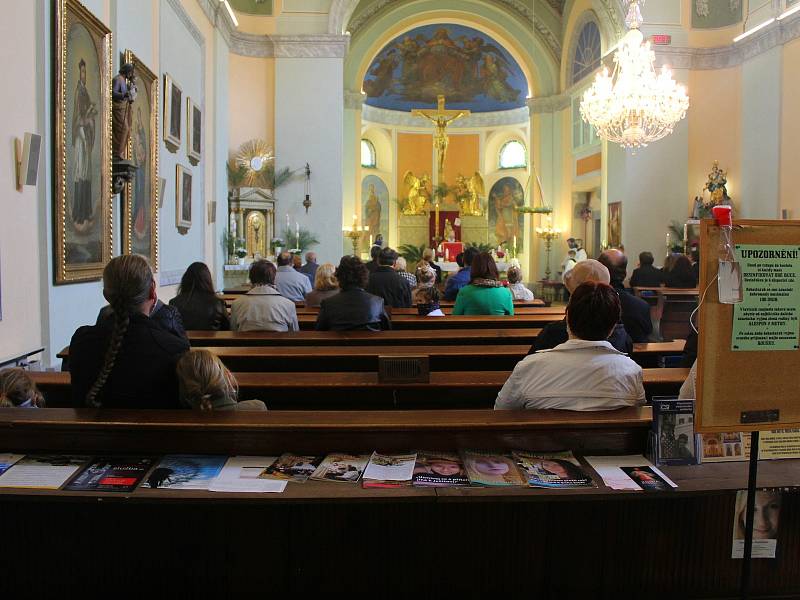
309 120
35 311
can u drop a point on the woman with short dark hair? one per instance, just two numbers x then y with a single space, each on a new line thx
584 373
681 275
352 308
484 295
198 303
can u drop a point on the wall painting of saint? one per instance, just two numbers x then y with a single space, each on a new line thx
504 222
82 158
140 208
375 206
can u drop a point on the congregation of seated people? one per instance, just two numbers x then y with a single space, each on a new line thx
137 354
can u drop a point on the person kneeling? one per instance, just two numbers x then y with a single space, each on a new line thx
206 384
584 373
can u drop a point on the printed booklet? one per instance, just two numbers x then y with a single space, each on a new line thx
292 467
646 478
389 470
42 471
185 472
672 439
492 469
555 470
6 460
439 469
346 468
111 475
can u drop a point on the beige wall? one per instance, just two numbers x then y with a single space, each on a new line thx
252 100
790 125
715 127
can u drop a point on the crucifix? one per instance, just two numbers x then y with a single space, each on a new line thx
441 118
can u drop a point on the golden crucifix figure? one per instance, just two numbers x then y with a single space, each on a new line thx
441 118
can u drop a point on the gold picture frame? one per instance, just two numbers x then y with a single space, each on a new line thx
173 107
183 198
82 155
140 208
194 131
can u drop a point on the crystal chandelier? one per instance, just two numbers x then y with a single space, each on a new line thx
634 106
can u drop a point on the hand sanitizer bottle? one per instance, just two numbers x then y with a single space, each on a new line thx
729 278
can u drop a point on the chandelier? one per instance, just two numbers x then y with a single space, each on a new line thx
634 106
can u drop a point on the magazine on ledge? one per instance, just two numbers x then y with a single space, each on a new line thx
185 472
42 471
344 468
292 467
389 470
554 470
111 474
7 460
439 469
492 469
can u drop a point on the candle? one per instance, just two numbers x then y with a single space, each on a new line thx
515 245
297 233
370 240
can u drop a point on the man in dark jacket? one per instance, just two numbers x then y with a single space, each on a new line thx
646 275
387 283
352 308
310 268
462 278
635 311
372 265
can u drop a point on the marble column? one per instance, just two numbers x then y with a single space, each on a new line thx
351 161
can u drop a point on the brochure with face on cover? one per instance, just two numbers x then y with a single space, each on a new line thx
7 459
554 470
185 472
389 470
766 521
120 474
243 474
42 471
611 470
292 467
492 469
439 469
646 478
344 468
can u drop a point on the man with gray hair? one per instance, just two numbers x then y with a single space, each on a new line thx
290 283
310 268
556 333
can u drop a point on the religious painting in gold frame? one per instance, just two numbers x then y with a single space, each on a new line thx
194 131
183 198
82 161
140 209
614 224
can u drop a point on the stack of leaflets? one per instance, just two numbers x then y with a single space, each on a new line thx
185 472
672 439
492 469
243 474
630 473
45 471
6 460
556 470
111 475
439 469
346 468
292 467
389 470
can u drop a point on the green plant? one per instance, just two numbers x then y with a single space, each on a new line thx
274 179
302 241
676 237
411 253
481 247
228 243
236 173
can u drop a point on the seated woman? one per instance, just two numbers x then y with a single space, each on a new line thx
554 334
401 267
18 390
681 274
325 286
263 308
206 384
584 373
516 287
428 302
484 295
198 303
127 361
428 256
352 308
426 279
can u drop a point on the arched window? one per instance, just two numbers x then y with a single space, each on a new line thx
587 52
513 155
368 154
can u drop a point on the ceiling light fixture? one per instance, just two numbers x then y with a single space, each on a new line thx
739 38
230 12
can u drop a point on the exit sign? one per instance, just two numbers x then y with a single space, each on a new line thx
661 39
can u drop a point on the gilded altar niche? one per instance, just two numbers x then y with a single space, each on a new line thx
251 219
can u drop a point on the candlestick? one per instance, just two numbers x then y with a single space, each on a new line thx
297 234
515 247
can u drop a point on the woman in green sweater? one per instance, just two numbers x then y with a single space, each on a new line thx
484 295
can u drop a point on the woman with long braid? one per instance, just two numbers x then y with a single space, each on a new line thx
128 360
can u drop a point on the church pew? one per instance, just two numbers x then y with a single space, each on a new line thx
415 322
553 311
336 391
230 295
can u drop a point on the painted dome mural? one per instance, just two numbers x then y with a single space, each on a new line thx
471 69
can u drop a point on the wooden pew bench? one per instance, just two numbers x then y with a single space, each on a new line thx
357 390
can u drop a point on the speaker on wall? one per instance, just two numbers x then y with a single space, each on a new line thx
28 160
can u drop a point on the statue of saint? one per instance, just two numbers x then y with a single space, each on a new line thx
449 232
373 212
417 193
123 95
716 185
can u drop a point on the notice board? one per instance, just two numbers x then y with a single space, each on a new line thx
748 373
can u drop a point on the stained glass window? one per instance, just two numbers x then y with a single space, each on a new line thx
367 154
587 52
512 155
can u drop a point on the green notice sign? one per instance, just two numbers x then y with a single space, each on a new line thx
767 318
